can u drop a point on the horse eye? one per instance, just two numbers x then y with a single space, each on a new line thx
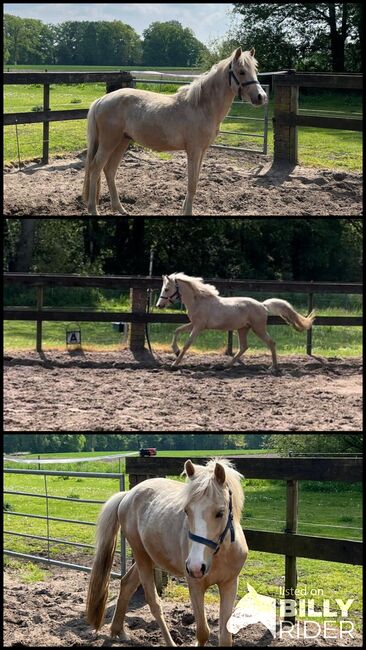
241 72
220 515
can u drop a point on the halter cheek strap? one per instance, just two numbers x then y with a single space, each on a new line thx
241 84
229 526
175 295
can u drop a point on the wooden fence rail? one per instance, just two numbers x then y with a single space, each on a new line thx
139 316
292 470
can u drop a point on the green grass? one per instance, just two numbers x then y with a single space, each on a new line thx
327 341
333 512
328 148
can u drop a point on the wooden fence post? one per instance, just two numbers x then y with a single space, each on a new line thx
309 333
286 103
39 322
125 81
229 346
46 125
291 527
137 330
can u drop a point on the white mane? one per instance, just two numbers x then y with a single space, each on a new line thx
193 91
197 285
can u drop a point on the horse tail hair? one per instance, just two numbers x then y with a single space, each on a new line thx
93 144
107 530
282 308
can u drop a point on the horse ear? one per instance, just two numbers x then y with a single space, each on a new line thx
189 469
220 475
238 53
252 51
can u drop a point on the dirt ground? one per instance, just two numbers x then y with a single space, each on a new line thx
51 613
125 391
231 183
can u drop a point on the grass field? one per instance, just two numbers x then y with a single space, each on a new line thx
322 511
329 341
317 147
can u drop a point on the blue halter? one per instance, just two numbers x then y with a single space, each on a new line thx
229 526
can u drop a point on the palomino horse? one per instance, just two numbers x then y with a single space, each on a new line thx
190 530
189 120
208 310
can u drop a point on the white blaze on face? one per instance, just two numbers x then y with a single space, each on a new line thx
198 551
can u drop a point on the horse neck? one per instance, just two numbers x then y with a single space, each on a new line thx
218 96
187 294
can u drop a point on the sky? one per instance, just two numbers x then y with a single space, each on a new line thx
208 21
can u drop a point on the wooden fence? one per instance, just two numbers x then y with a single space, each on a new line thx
114 80
139 316
292 470
286 118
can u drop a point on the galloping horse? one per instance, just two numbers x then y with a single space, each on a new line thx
190 530
208 310
189 120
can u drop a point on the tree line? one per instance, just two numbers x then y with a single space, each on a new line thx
305 36
318 249
90 43
279 443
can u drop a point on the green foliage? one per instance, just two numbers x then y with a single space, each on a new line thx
328 249
317 443
50 443
169 43
305 36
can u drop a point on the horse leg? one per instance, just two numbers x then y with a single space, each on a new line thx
146 571
183 328
129 584
228 591
261 332
197 594
110 170
243 345
194 161
192 337
99 161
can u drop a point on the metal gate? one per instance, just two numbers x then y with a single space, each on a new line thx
46 517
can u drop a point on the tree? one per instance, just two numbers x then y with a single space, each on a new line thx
169 44
319 32
317 442
25 244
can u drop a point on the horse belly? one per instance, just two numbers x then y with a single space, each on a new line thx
156 133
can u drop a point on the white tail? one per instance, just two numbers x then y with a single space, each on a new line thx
93 143
107 529
282 308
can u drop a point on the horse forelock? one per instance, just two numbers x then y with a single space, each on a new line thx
197 285
205 484
248 60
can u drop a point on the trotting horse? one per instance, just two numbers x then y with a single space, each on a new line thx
208 310
190 530
189 120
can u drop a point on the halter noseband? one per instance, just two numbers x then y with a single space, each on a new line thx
175 295
240 84
229 526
